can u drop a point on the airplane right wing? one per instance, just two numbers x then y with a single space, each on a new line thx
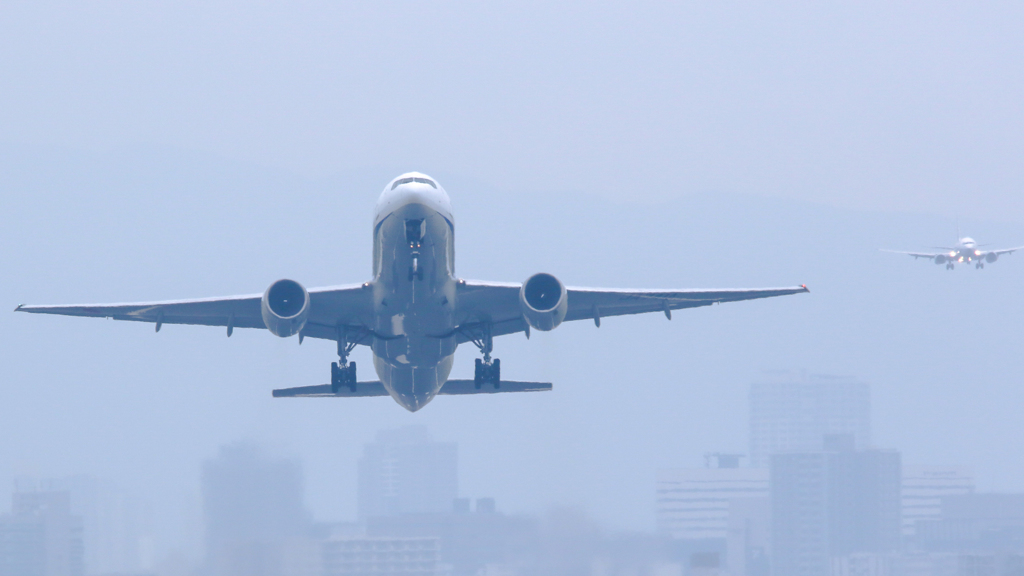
916 255
329 308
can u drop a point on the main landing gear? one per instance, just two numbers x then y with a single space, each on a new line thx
487 371
343 372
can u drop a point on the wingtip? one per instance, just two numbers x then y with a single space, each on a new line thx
804 286
18 309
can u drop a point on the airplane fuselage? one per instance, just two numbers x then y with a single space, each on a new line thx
965 252
414 290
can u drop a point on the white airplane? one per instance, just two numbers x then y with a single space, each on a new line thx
965 251
415 311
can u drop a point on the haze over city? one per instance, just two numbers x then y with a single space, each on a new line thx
160 151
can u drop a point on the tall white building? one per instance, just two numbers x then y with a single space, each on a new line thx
693 504
794 411
923 489
403 471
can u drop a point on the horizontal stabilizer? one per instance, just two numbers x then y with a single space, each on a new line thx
468 387
376 388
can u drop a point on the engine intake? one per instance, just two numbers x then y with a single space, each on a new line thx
941 259
543 301
285 308
991 257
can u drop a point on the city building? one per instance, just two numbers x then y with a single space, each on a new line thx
923 490
715 515
469 541
254 511
41 537
403 471
793 411
693 503
975 523
833 503
369 556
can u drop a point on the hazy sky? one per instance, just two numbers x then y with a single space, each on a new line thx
887 105
152 151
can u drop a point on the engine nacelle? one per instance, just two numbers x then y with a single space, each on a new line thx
940 259
991 257
285 308
544 301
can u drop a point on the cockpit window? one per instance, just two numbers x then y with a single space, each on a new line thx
401 181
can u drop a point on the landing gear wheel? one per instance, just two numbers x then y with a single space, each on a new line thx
343 377
487 373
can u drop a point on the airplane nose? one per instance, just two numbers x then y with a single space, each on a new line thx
413 402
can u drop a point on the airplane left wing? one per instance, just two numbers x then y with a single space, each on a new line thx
497 303
1005 251
328 307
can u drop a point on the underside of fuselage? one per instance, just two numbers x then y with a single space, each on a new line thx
414 293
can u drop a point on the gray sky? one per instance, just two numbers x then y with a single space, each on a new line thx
152 151
905 105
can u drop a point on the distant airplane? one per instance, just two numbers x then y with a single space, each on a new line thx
415 311
965 251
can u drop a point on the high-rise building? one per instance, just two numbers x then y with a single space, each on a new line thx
253 507
40 537
923 490
831 504
791 411
404 472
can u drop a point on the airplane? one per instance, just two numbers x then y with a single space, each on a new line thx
965 251
414 311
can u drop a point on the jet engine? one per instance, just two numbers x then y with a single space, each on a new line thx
991 257
285 308
544 301
940 259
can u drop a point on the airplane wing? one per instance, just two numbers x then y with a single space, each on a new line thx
1005 251
497 303
328 307
917 255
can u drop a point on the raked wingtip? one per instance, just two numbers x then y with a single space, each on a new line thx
804 286
18 309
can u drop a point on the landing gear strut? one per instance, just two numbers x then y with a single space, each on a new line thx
487 371
343 372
